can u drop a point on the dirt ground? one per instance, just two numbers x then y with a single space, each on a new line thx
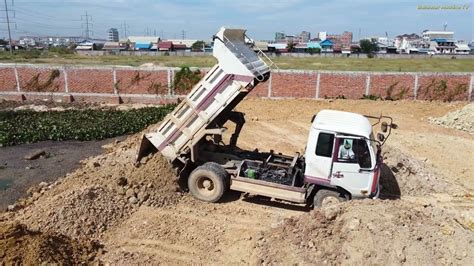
138 215
61 158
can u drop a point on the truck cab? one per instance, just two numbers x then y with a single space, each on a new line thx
342 154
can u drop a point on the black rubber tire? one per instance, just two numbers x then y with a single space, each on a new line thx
207 183
222 172
323 194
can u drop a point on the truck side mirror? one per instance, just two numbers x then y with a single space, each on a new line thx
394 126
384 127
380 137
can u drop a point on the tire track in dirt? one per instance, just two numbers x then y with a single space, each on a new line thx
193 232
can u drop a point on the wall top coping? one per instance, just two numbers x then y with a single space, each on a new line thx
160 68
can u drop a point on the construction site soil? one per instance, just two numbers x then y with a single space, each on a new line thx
111 211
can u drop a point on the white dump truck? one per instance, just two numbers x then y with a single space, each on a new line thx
342 159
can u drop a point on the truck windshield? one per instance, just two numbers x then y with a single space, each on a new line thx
354 151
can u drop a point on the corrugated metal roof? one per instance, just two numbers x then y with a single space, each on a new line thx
142 45
343 122
326 42
186 42
166 45
314 45
143 39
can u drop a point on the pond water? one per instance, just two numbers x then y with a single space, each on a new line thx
5 183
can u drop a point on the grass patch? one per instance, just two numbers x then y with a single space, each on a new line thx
18 127
283 62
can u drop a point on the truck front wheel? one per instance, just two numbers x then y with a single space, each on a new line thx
207 183
325 197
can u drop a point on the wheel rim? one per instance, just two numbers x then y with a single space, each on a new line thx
205 185
328 201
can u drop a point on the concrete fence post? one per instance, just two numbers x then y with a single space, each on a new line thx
66 85
469 97
114 80
415 86
17 78
318 78
169 74
367 84
269 91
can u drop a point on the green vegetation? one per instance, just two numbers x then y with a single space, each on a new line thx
18 127
309 63
314 50
198 46
438 90
185 79
368 47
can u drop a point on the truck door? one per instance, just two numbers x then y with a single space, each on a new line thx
319 156
353 165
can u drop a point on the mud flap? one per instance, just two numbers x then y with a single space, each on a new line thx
146 147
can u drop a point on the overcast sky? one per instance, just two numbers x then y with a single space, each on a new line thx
201 19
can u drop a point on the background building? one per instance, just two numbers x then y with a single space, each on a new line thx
429 35
340 41
113 35
280 36
303 37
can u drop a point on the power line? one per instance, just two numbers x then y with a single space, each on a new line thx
87 31
8 26
125 29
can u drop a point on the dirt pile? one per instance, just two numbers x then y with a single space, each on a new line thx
405 175
462 119
368 232
101 194
19 245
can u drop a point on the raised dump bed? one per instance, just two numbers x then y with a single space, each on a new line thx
209 104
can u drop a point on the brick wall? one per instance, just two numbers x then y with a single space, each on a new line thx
41 79
155 85
90 80
444 87
142 82
7 79
395 86
301 85
349 85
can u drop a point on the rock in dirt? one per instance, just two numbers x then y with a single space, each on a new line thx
92 199
462 119
34 155
367 232
19 245
405 175
133 200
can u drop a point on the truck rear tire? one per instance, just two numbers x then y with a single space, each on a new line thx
325 197
208 183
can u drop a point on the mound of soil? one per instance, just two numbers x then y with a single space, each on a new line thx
19 245
462 119
368 232
106 190
405 175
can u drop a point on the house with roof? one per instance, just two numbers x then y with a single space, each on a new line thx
326 46
143 43
165 46
115 46
462 48
182 44
278 47
86 46
260 45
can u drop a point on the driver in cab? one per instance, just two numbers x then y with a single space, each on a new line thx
346 152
